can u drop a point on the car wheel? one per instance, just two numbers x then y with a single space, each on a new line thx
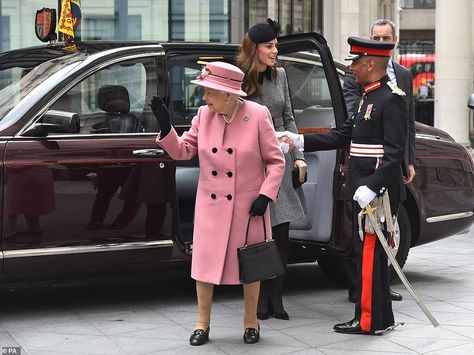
403 241
334 268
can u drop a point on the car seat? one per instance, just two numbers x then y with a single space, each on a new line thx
115 101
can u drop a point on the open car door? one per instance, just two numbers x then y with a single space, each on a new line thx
318 105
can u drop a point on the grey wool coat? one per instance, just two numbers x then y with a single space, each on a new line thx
290 203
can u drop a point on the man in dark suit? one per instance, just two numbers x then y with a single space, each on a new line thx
384 30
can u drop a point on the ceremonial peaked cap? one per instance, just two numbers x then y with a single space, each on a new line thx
362 46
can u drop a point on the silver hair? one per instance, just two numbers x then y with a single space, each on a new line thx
383 22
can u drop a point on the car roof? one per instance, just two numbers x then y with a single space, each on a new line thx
32 56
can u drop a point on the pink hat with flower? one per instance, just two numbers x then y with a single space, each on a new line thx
221 76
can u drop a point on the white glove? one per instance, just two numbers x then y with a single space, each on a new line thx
285 147
298 139
363 196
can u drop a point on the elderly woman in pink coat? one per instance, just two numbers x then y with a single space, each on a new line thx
241 168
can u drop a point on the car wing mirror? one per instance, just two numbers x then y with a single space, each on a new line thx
55 121
470 102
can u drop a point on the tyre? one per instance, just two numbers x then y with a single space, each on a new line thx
403 238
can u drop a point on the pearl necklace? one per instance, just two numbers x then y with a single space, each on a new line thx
226 117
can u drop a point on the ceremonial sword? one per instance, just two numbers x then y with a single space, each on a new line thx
368 211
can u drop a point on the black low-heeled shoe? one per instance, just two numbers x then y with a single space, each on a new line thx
199 337
251 335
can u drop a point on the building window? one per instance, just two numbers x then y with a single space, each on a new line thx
97 28
103 28
4 33
294 16
258 11
134 27
418 4
176 20
203 21
218 21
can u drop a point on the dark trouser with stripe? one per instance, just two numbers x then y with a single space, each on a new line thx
374 308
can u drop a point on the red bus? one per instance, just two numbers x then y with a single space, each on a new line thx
422 67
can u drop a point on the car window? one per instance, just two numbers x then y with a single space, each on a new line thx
185 96
309 92
114 99
17 79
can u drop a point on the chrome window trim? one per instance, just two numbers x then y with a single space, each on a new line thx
433 137
87 73
8 254
88 135
449 217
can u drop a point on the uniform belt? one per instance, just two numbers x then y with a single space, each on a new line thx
366 150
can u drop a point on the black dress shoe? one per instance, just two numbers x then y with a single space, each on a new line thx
262 315
199 337
352 327
395 296
251 335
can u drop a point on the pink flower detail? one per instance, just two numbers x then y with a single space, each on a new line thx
203 73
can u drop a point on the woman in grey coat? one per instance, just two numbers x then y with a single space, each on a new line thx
268 85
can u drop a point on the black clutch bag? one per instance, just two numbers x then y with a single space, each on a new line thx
295 174
259 261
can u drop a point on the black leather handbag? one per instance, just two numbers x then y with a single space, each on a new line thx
295 177
259 261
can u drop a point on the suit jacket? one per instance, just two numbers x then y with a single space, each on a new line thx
353 91
237 162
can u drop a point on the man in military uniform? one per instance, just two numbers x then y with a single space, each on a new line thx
384 30
377 134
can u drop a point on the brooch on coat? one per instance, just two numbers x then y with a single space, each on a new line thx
246 117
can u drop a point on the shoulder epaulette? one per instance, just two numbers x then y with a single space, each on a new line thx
395 89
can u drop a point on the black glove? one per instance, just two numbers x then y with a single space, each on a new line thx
162 115
259 206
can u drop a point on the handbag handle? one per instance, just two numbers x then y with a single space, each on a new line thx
264 230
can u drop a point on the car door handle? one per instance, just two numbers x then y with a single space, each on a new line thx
152 152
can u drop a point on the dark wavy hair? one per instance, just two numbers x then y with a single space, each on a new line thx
247 61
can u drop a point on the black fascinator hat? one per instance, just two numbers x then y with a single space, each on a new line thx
264 32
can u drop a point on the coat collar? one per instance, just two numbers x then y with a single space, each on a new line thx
376 84
265 74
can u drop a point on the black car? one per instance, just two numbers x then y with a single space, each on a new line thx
86 188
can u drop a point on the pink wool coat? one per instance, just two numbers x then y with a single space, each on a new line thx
238 161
